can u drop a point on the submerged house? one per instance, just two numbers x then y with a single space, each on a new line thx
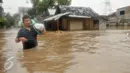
123 15
112 19
73 18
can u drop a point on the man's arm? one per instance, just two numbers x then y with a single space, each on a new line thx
19 37
23 39
17 40
44 31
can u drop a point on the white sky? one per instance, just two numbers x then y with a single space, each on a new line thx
97 5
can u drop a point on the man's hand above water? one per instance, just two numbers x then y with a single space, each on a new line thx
23 39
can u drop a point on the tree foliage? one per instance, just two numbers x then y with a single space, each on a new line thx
16 18
35 2
63 2
9 20
43 5
31 12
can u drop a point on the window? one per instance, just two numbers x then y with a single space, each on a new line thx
96 21
122 12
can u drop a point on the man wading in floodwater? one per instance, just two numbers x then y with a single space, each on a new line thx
27 35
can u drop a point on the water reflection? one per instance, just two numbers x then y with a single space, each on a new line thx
52 57
10 49
1 52
85 41
106 51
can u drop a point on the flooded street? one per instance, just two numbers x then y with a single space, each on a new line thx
105 51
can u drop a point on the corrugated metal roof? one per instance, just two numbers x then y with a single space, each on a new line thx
56 16
78 11
123 8
77 16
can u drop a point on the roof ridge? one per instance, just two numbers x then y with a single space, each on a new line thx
74 6
85 11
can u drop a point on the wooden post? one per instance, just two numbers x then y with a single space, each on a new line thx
84 24
89 24
57 25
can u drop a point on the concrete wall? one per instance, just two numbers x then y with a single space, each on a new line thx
112 24
72 24
76 25
64 24
89 24
127 13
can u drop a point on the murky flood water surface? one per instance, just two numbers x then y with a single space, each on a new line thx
1 51
69 52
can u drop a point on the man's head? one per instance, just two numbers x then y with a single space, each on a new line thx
26 20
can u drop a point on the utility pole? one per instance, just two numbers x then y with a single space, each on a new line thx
107 8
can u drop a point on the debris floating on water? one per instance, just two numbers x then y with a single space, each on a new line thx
128 34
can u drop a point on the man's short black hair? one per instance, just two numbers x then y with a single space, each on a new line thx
26 17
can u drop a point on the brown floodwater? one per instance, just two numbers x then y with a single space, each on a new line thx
104 51
1 51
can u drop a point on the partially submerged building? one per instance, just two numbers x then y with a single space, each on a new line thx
112 19
123 15
73 18
119 18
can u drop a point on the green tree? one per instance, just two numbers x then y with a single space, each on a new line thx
42 5
9 20
16 18
2 22
64 2
35 2
31 12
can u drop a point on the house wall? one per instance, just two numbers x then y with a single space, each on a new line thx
79 24
72 23
90 25
64 24
126 15
112 24
76 25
